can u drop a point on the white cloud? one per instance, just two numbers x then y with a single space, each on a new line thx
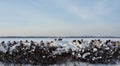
86 13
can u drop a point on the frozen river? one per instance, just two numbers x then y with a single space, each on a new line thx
68 39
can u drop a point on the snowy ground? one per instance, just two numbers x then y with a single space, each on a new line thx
66 64
68 39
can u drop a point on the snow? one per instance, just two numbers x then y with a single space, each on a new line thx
27 43
64 64
3 49
63 46
94 49
79 55
66 45
86 54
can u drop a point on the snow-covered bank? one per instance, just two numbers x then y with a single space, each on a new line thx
60 51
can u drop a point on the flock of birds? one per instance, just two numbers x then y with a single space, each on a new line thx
60 51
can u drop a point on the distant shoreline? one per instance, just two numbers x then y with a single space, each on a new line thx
59 37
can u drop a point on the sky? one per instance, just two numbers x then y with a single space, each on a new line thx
59 18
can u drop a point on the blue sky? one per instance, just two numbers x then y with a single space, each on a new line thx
60 17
